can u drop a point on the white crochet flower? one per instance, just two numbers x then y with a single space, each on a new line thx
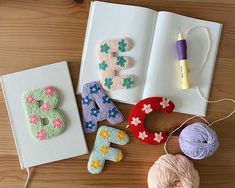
143 135
158 137
147 108
135 121
165 103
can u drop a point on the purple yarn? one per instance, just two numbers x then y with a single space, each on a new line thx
93 96
198 141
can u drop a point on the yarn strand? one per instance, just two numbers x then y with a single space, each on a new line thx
28 177
177 128
208 49
216 101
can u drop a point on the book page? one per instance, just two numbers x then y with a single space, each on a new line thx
115 21
163 76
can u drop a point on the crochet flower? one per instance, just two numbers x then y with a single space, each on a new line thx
108 82
89 125
147 108
95 112
103 65
104 48
41 135
104 149
118 157
106 99
86 100
121 135
104 134
29 99
33 119
45 107
135 121
57 122
95 164
121 61
94 89
122 45
49 91
165 103
158 137
143 135
127 82
113 113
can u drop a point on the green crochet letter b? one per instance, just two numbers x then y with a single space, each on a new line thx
44 120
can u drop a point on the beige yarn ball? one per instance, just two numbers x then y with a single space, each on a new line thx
173 171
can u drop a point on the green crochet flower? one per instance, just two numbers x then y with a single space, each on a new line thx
121 61
128 82
108 82
104 48
102 65
122 45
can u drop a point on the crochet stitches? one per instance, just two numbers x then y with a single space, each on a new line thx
102 151
105 109
140 111
109 62
40 104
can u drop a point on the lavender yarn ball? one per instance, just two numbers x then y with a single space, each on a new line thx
198 141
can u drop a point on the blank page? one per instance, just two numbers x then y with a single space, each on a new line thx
163 76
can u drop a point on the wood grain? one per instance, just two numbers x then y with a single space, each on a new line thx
40 32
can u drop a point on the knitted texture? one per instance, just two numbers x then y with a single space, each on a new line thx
138 114
110 62
40 104
102 151
173 171
198 141
97 106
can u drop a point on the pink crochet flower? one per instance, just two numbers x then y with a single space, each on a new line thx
49 91
57 123
29 99
45 107
33 119
41 135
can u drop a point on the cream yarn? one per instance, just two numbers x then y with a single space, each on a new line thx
173 171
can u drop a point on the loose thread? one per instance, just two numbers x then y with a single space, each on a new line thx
209 124
202 67
187 120
28 177
208 49
216 101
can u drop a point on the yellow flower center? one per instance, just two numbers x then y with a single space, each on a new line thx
95 164
121 135
104 149
104 134
118 157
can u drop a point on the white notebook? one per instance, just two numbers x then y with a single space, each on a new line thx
71 142
155 60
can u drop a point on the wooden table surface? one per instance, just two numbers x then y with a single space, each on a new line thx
40 32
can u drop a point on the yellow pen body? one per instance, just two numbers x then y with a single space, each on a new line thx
182 53
184 74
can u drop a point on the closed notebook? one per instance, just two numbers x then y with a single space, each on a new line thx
155 61
71 142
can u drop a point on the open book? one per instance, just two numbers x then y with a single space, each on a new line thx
154 56
71 142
